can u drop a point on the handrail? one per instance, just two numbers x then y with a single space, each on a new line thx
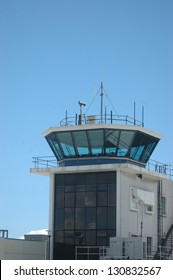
152 165
96 119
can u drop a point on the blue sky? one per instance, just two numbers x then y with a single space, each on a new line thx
56 52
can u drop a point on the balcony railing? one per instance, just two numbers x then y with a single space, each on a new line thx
152 165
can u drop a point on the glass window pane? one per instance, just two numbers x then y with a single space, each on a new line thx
59 218
80 199
59 236
96 141
80 218
90 199
125 142
111 141
81 142
102 199
90 218
101 217
69 199
66 143
111 195
111 218
59 196
53 142
69 218
90 237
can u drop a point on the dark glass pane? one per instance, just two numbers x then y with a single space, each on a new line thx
69 199
80 218
111 195
111 141
80 188
69 189
59 180
102 187
90 237
66 143
125 142
91 179
101 217
90 199
79 238
69 218
111 218
96 141
91 188
90 218
59 236
80 199
111 178
81 142
81 179
59 196
59 218
101 241
102 178
70 179
69 240
102 199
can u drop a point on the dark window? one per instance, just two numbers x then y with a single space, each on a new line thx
102 199
85 212
80 218
80 199
59 218
90 199
101 217
60 196
90 218
69 199
69 218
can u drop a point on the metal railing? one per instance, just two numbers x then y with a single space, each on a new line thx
97 119
152 165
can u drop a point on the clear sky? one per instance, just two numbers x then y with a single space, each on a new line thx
56 52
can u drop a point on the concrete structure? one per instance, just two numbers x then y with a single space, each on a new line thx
101 187
22 249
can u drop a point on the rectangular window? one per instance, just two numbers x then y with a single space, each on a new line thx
163 205
149 209
149 245
91 218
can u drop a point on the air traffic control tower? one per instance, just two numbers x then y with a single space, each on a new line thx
98 178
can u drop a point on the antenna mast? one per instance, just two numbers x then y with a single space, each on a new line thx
101 109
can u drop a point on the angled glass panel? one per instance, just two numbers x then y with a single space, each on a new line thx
96 141
125 142
111 141
66 143
53 143
81 142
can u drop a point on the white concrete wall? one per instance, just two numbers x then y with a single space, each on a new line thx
130 220
18 249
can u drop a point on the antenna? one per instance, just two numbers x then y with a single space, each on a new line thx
101 109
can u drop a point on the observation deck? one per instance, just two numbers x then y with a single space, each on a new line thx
101 139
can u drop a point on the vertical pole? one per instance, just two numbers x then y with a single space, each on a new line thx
142 115
101 109
134 113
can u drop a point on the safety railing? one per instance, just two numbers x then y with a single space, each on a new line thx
152 165
97 119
